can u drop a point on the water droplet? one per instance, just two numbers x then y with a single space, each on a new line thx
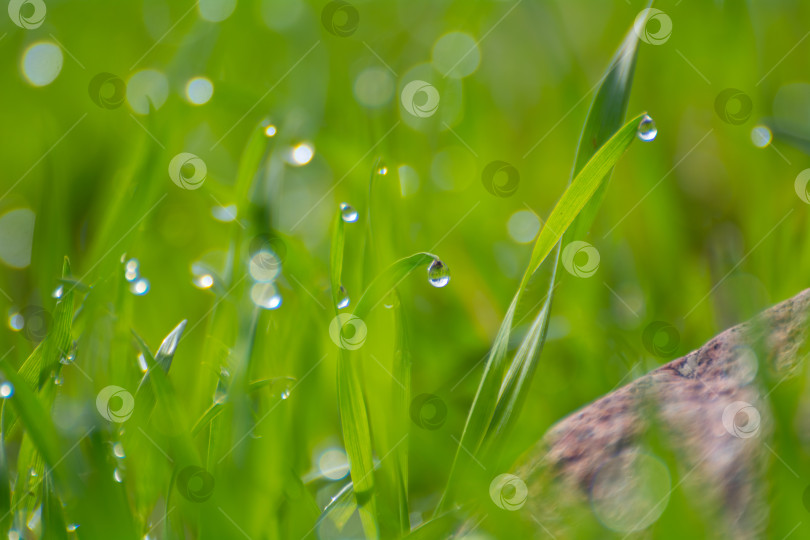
265 295
58 380
646 128
761 136
70 356
32 472
58 292
438 273
72 527
285 393
16 321
348 213
343 298
302 154
205 281
13 535
142 363
118 450
6 390
140 287
382 171
270 130
118 475
36 519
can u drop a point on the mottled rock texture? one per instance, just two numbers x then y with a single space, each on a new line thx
708 408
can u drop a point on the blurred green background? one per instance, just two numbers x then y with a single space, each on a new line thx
700 228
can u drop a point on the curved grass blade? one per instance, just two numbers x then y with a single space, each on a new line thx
604 118
584 185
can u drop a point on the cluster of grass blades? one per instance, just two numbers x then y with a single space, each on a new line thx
173 447
505 381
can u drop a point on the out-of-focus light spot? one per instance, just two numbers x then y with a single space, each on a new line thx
374 87
16 237
41 63
199 90
456 55
280 15
147 90
333 464
16 321
453 168
270 130
302 154
216 10
761 136
225 214
523 226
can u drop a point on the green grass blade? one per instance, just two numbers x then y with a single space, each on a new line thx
38 425
604 118
46 356
336 257
582 188
352 405
572 201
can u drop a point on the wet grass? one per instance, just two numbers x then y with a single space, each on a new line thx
125 421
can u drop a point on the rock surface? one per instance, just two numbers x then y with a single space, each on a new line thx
707 407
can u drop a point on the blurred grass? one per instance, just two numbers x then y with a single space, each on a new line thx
701 251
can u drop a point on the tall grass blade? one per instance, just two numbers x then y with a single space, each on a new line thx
488 412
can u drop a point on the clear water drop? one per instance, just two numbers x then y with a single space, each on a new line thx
118 450
270 130
205 281
646 128
58 292
58 380
140 287
285 393
382 171
70 356
32 472
142 363
348 213
118 475
72 527
438 273
343 298
6 390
